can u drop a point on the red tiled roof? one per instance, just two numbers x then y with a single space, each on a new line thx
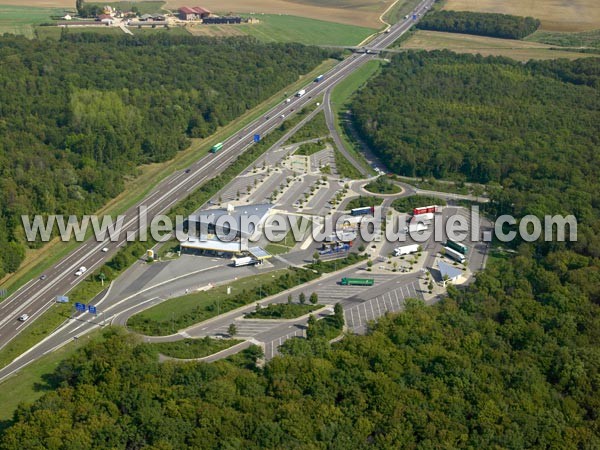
193 10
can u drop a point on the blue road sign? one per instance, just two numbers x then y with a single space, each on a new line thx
257 138
91 309
80 307
62 299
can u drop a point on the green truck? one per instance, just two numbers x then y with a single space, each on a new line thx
215 148
357 282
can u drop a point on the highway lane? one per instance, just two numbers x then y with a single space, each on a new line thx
37 296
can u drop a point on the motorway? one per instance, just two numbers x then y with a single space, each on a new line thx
36 296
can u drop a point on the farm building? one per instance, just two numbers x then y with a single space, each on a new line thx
193 13
222 20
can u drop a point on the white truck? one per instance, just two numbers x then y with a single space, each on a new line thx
244 261
415 227
406 250
301 92
425 217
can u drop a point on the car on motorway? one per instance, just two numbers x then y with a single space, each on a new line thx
283 116
188 170
23 318
287 100
105 249
81 271
43 277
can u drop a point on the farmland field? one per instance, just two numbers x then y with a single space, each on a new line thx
363 13
284 28
22 20
556 15
466 43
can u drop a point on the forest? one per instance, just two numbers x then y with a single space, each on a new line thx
509 361
483 24
78 116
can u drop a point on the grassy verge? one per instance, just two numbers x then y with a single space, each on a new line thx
407 204
333 265
284 28
282 311
33 381
454 187
363 201
316 128
175 314
340 99
192 348
399 10
345 169
327 328
35 332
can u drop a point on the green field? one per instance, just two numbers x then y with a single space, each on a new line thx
483 45
585 39
282 28
23 20
144 7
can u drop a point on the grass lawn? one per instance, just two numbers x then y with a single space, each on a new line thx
282 311
31 382
193 348
382 185
284 28
175 314
24 19
467 43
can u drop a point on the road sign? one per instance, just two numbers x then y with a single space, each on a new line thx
80 307
257 138
91 309
62 299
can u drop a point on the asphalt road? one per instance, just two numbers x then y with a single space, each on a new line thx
36 296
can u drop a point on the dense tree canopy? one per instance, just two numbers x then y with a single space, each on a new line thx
512 362
77 116
532 128
482 24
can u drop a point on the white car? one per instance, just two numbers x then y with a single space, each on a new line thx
23 318
81 271
105 249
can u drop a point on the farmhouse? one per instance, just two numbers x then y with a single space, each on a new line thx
193 13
